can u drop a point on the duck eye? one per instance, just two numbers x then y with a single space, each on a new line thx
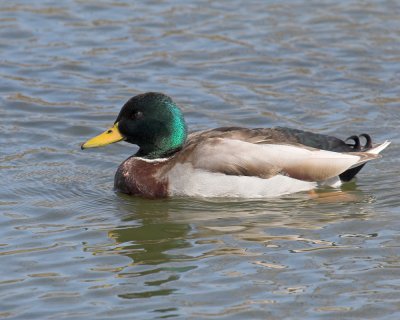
137 115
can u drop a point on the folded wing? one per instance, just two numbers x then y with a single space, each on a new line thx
238 157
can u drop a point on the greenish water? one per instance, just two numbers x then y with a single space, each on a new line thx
72 248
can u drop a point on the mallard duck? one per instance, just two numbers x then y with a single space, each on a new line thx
228 161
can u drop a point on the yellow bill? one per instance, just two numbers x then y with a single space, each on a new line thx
109 136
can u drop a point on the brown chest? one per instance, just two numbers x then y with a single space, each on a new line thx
140 177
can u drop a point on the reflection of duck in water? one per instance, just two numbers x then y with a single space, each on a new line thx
148 243
225 162
154 242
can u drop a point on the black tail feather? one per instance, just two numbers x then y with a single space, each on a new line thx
357 144
357 147
368 141
350 174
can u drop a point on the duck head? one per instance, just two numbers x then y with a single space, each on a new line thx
152 121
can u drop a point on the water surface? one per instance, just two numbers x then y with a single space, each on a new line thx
72 248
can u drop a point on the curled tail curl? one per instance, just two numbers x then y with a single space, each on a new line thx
357 146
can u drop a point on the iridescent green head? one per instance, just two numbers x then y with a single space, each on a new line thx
150 120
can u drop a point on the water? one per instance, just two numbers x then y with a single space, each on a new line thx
72 248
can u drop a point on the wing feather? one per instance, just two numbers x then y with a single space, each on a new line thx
238 157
